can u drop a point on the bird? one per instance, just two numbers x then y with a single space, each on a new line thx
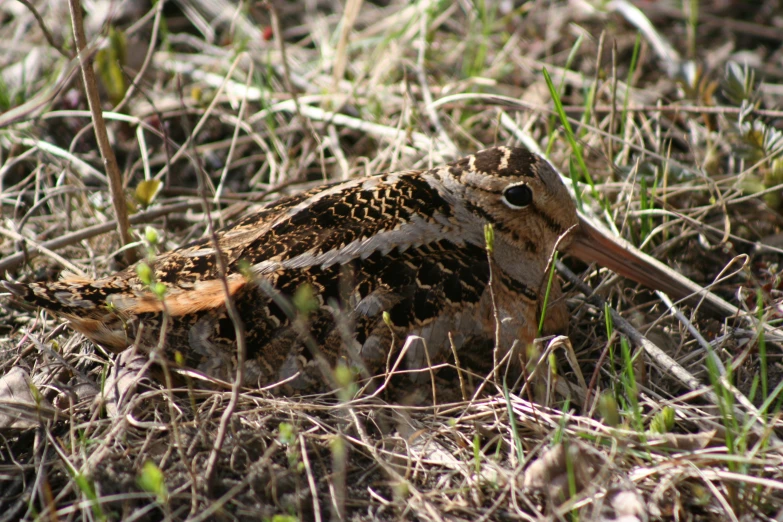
451 259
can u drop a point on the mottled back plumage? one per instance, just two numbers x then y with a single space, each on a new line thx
411 244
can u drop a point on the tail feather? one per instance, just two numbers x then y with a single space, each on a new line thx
18 290
107 310
84 303
66 297
89 298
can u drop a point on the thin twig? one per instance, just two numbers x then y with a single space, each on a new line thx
236 321
107 153
45 30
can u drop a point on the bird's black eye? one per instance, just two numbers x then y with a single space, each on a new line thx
518 196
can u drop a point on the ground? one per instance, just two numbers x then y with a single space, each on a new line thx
666 115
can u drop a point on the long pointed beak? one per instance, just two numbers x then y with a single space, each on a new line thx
593 245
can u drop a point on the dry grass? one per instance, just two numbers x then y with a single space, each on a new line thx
684 147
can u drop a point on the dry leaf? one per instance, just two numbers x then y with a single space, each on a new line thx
19 408
127 372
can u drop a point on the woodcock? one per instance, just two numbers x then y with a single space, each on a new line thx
378 259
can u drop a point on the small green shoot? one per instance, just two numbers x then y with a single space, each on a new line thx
85 485
144 271
477 454
339 449
35 392
305 300
569 462
559 435
489 238
609 332
629 384
646 220
159 289
560 89
284 518
512 419
631 70
146 191
476 56
735 443
575 147
549 282
105 368
607 408
286 434
9 99
151 480
739 84
287 437
346 380
663 421
762 342
588 109
691 8
246 269
151 236
110 62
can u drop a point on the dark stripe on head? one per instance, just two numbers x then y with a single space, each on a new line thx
477 210
550 223
530 246
517 286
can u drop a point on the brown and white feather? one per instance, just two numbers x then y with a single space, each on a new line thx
410 244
